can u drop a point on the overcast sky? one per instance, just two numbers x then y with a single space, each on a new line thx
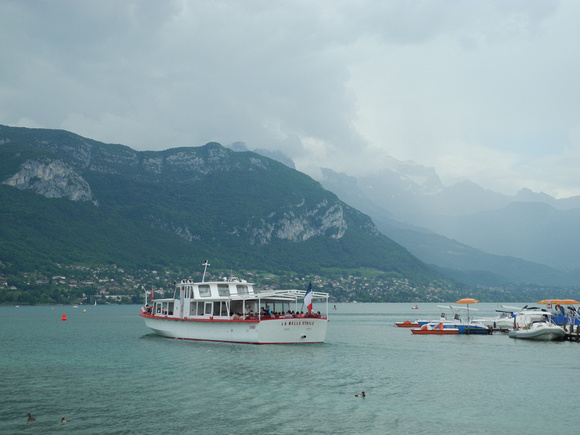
482 90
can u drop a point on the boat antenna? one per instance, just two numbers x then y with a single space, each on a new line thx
204 269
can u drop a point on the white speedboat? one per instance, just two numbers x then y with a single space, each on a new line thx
504 321
536 325
234 311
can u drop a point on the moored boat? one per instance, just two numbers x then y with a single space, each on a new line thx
234 311
536 325
464 327
503 322
439 329
407 324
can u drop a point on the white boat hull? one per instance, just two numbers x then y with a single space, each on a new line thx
540 332
269 331
496 323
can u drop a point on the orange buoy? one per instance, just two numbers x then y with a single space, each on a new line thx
64 317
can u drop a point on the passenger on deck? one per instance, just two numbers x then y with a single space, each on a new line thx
288 315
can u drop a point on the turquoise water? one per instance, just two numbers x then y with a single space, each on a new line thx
104 371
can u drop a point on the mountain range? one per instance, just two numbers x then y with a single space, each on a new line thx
67 199
72 200
469 232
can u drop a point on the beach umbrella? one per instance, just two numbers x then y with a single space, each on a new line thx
568 302
467 301
549 301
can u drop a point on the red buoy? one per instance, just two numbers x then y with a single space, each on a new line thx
64 317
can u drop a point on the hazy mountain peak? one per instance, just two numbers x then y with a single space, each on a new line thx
527 195
277 155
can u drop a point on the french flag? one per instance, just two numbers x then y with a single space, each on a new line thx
308 298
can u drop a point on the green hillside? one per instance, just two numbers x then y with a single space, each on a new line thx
176 207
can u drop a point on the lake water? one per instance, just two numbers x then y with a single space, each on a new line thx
107 373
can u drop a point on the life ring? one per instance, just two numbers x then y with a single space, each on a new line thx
557 307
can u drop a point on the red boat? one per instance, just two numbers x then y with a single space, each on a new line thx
435 330
407 324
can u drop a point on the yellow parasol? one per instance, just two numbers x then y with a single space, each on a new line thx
568 302
549 301
467 301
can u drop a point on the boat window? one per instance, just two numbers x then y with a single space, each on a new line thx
216 308
208 306
200 308
223 290
204 290
242 289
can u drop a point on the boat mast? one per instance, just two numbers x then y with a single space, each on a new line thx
204 270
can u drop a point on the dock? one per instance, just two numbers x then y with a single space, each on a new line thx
572 332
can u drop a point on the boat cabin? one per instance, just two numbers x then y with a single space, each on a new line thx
231 299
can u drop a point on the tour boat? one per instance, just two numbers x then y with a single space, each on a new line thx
234 311
438 329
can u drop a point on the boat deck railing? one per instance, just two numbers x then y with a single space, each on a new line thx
247 318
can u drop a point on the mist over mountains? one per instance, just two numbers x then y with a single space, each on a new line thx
530 237
470 233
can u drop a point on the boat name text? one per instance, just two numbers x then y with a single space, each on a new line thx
298 323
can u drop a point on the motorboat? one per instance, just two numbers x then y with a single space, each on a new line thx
234 311
503 322
439 329
536 325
